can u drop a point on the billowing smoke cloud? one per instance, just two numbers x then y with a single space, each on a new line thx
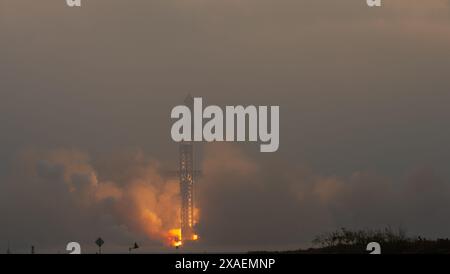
266 205
245 202
62 185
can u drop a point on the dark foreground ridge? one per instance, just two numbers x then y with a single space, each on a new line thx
346 241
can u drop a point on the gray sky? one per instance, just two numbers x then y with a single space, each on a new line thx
86 95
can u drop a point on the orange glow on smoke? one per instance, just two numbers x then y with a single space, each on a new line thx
174 237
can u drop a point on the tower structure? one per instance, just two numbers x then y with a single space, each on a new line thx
187 177
187 190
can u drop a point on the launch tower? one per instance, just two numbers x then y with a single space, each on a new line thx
187 175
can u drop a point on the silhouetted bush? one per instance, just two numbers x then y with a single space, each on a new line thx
361 237
345 241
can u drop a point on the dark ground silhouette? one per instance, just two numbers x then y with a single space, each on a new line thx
344 241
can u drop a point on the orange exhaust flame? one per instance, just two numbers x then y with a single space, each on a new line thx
174 237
